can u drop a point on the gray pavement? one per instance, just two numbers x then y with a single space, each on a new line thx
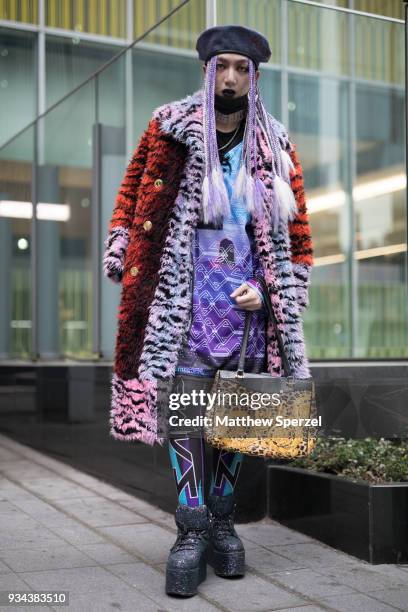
61 529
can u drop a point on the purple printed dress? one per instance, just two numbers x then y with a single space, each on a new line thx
223 259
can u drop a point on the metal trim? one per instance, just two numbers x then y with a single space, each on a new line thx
96 227
340 9
210 13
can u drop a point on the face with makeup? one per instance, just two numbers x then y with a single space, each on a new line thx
232 75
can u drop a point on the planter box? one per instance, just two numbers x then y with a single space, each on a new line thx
365 520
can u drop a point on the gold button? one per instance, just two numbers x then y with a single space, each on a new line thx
134 271
158 183
147 225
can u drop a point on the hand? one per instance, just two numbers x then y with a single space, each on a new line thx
246 297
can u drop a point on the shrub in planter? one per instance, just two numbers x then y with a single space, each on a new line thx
350 494
371 460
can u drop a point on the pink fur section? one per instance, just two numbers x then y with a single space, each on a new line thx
273 359
133 408
262 226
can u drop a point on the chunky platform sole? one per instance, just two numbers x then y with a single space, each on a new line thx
185 582
227 564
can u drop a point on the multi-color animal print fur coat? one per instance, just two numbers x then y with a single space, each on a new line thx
148 250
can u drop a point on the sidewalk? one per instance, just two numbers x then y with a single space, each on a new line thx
61 529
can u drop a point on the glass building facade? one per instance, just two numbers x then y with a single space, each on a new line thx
76 92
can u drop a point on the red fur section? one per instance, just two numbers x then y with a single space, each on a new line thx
126 198
299 228
165 160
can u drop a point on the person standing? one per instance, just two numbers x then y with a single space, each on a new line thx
212 197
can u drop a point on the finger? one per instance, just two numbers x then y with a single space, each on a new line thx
249 296
246 301
239 290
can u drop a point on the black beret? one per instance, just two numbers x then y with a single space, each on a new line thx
233 39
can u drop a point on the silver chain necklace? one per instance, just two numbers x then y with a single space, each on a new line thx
229 142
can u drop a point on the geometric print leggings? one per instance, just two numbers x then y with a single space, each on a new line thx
187 461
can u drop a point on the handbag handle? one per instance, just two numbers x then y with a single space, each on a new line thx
272 317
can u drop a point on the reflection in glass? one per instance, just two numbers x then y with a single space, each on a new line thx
318 110
69 62
16 213
17 81
380 220
24 11
262 15
160 78
339 88
379 54
103 17
319 39
179 31
64 244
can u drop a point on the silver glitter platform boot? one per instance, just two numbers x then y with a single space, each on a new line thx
226 551
187 562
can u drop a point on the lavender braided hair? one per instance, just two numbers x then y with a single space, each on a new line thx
248 184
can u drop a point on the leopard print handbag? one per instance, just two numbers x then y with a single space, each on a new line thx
260 414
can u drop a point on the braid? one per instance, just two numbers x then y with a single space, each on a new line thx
248 184
215 197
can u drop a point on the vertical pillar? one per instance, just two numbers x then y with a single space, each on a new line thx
112 167
210 13
48 266
6 233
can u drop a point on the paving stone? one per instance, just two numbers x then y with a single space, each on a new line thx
98 512
127 499
271 535
20 521
12 517
310 583
75 580
25 470
364 578
11 582
27 538
149 512
32 607
314 555
75 533
123 599
152 583
150 541
394 571
11 492
356 603
268 562
4 569
38 509
304 609
106 553
45 558
394 597
8 455
248 594
105 489
56 488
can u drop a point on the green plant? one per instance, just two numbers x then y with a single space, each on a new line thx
369 459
